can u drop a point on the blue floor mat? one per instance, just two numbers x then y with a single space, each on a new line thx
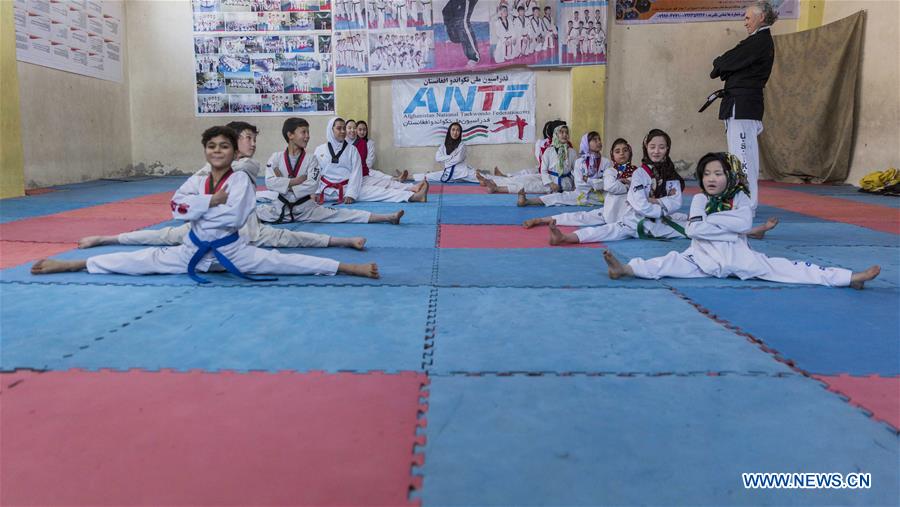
499 215
508 200
763 213
414 213
500 441
377 235
528 267
299 329
398 266
823 330
858 258
585 330
829 233
70 317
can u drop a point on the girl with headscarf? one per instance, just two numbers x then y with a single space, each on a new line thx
341 177
653 199
558 162
452 157
588 173
540 146
371 176
720 219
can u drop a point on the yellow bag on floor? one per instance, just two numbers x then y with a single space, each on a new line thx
877 180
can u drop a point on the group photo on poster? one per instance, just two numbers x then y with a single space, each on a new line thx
492 107
400 51
270 58
630 12
524 33
584 32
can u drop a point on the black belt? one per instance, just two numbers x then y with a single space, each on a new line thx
289 207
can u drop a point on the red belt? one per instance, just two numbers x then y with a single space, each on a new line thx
331 184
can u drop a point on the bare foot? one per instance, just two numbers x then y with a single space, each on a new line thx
395 218
556 236
521 200
46 266
498 172
858 280
364 270
531 222
481 179
355 242
92 241
492 187
616 269
421 195
759 232
404 175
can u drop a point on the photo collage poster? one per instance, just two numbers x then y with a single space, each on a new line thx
396 37
80 36
263 57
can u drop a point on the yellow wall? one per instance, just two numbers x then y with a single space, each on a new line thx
351 97
812 12
12 172
588 85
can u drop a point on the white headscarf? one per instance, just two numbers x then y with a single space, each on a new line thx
329 133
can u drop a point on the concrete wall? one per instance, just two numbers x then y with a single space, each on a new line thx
659 78
552 102
876 147
165 132
74 128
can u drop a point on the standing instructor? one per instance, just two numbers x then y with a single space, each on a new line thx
745 70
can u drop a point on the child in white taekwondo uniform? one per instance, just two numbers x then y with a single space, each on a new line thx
654 197
616 183
556 170
216 205
525 178
257 234
452 156
720 218
342 175
371 176
294 175
588 170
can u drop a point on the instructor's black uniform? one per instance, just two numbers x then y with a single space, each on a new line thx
745 70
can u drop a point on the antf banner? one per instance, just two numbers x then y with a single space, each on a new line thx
493 108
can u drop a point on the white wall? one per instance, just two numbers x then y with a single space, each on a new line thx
165 130
876 145
74 128
659 78
77 128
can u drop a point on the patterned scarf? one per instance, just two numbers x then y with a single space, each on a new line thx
591 159
736 182
562 150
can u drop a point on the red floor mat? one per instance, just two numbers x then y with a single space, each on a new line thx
501 236
872 216
110 438
879 395
13 253
56 229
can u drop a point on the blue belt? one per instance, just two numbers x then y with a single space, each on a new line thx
445 178
560 178
204 247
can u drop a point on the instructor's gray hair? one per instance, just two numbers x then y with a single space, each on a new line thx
770 15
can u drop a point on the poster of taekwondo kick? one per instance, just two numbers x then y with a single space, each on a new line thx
394 37
493 108
263 57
